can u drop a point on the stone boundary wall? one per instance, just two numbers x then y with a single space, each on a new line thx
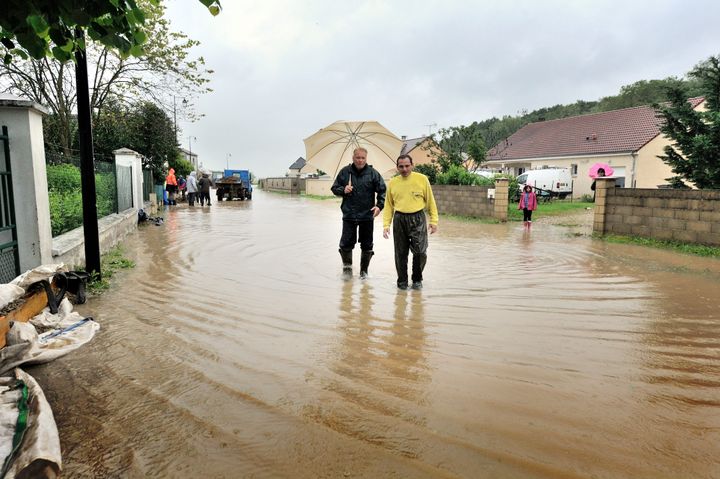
473 200
690 216
283 184
318 186
69 248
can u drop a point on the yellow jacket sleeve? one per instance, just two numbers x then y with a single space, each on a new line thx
431 206
389 208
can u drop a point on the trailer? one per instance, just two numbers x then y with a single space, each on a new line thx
235 184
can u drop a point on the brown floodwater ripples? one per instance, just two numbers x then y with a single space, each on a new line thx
235 348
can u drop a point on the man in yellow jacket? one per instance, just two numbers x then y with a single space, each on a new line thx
408 196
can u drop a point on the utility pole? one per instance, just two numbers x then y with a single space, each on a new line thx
87 163
190 139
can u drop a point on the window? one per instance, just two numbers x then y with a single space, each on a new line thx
573 169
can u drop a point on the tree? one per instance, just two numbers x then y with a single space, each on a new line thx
164 69
144 128
459 144
47 28
57 28
694 154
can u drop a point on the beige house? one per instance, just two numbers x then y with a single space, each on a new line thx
422 150
191 157
629 140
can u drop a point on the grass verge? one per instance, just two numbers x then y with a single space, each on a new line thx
110 263
687 248
318 197
552 208
470 219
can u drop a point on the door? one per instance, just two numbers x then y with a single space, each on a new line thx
9 256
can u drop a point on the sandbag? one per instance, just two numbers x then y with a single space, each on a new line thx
29 439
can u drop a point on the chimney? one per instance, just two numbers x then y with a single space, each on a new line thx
403 138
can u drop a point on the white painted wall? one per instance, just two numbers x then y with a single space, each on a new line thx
27 157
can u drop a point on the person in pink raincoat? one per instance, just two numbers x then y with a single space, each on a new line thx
528 204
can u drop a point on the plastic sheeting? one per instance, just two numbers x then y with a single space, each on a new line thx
32 276
63 332
29 441
31 446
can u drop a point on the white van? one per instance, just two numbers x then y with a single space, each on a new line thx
548 181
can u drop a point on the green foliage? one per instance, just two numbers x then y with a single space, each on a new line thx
457 175
429 170
111 262
43 28
694 155
144 128
459 145
182 166
64 191
165 71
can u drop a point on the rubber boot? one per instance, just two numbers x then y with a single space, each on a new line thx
346 256
365 258
418 265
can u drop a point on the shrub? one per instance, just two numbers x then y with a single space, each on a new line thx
429 170
65 195
457 175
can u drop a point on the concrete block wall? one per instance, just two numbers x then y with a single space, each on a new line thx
318 186
69 248
464 200
691 216
283 184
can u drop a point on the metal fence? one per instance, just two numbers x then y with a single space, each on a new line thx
148 184
65 191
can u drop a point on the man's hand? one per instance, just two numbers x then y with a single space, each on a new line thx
432 228
348 189
386 233
375 211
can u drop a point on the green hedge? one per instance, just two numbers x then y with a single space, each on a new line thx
65 192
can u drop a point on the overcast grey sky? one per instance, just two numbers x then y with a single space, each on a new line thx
286 68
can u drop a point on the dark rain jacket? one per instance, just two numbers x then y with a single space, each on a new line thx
366 184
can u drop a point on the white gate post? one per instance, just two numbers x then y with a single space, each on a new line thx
128 157
23 119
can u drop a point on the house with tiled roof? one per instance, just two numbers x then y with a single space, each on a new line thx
422 149
300 167
629 140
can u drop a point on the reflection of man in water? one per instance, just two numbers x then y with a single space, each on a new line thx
384 350
409 195
358 184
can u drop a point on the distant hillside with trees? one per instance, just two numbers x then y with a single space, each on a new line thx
473 140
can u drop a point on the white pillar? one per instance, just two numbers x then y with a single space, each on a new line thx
127 157
23 119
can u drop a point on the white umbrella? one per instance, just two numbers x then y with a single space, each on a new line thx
332 147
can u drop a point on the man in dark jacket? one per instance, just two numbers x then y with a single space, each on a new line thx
358 184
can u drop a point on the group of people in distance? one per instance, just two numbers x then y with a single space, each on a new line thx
403 203
197 190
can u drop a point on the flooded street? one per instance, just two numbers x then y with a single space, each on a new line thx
235 349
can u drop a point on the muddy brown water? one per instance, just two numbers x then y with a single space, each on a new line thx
235 349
